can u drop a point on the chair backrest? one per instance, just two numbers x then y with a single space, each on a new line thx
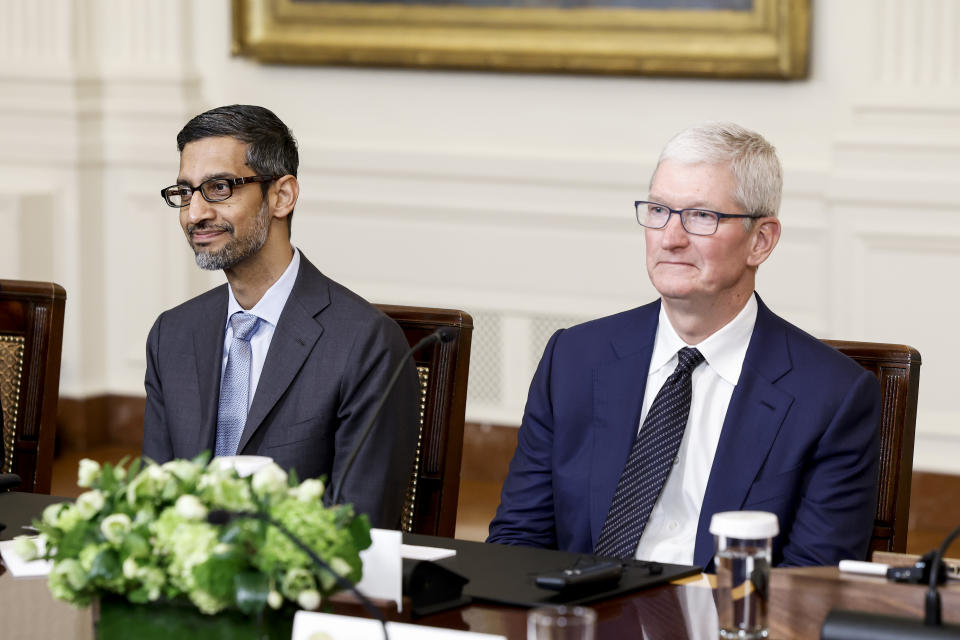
430 506
31 335
898 368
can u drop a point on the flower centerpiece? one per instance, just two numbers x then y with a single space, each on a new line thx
143 535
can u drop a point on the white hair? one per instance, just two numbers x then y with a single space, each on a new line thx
753 161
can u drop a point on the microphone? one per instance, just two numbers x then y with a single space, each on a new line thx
222 516
851 625
9 481
932 617
440 336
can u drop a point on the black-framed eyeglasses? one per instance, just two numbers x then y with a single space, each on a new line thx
212 190
699 222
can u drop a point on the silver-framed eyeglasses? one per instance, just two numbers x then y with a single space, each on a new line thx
212 190
699 222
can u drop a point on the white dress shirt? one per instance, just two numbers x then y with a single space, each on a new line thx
671 531
268 309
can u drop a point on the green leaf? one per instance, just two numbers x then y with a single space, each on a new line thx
359 529
107 482
106 566
132 470
135 546
202 459
252 589
292 479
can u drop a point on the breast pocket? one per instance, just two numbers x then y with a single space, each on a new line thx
774 488
298 433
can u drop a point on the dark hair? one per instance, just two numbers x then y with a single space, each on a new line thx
272 149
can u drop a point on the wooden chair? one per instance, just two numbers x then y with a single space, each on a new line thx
430 506
898 368
31 335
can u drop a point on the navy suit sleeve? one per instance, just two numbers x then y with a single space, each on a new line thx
526 512
377 482
156 437
835 513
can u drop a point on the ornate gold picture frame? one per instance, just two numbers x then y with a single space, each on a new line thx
768 40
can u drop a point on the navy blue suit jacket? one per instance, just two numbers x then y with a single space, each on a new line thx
800 439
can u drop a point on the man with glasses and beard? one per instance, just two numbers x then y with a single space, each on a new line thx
280 361
641 425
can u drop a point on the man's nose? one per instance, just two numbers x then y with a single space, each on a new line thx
674 235
199 209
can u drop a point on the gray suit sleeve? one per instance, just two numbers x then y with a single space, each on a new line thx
377 482
156 437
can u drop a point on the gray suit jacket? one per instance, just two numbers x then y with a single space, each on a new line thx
328 364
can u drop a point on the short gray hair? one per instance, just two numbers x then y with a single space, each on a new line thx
753 160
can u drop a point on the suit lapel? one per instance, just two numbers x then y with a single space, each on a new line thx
296 333
618 399
208 349
756 412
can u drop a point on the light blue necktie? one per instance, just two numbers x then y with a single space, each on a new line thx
235 386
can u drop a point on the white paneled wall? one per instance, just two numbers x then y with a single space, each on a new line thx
507 195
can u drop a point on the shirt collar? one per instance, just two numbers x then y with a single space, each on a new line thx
270 306
723 351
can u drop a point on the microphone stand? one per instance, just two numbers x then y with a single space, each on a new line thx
932 610
222 516
854 625
440 336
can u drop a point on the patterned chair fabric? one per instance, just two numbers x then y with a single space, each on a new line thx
430 506
31 335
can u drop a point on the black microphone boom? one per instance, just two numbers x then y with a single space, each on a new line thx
222 516
854 625
440 336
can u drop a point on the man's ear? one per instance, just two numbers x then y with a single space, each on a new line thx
283 196
763 237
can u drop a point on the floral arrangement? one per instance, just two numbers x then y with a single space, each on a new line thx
142 533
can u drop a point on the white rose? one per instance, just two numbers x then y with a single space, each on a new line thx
183 469
88 472
71 572
26 548
270 479
190 508
309 599
115 526
340 565
274 599
89 504
130 568
51 514
310 490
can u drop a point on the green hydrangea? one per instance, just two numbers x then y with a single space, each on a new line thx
142 532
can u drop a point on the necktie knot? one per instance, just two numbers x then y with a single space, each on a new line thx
244 325
688 359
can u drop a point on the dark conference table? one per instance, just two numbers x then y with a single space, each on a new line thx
800 599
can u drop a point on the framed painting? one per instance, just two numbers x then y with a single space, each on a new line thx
715 38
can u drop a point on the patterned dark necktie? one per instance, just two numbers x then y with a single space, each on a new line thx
235 386
651 458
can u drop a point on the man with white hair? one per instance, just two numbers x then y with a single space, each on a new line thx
641 425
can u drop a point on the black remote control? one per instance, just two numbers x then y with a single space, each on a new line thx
579 576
